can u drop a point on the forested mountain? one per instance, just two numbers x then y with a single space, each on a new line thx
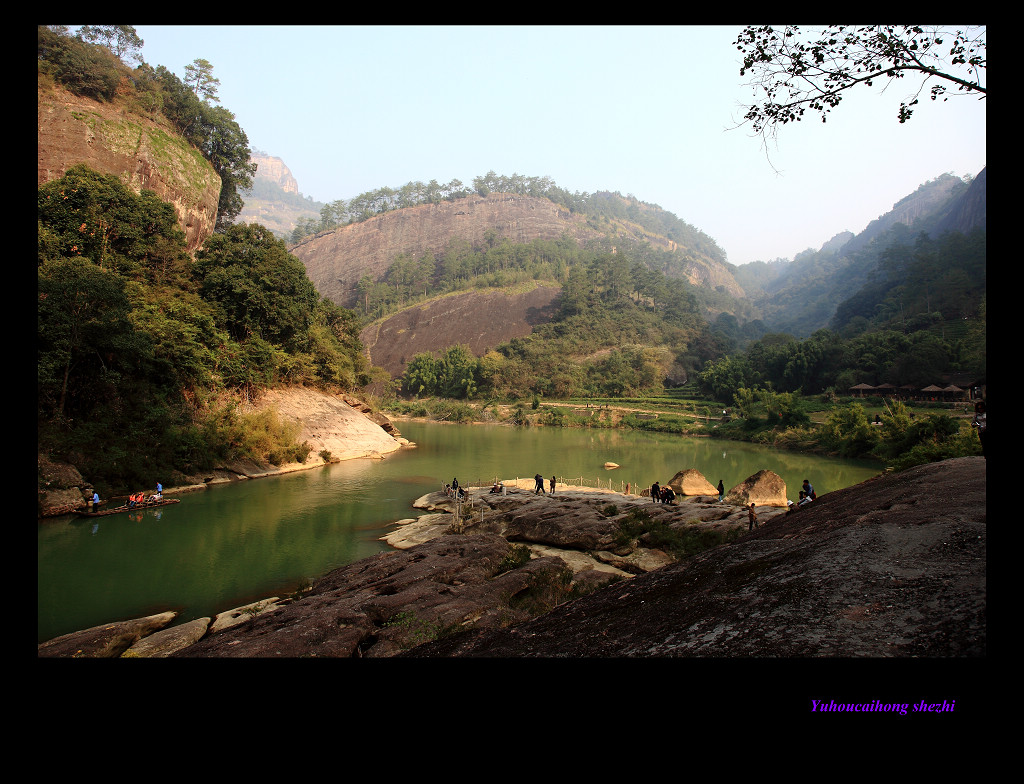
802 296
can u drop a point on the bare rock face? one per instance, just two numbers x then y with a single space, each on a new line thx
383 605
692 482
893 567
477 319
141 152
328 423
274 169
106 641
336 260
765 488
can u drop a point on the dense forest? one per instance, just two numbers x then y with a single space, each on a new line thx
138 344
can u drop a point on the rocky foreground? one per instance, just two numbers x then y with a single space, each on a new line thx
894 567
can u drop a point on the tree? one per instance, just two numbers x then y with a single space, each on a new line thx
121 40
255 286
798 71
199 77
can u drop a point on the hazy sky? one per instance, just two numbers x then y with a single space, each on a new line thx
642 110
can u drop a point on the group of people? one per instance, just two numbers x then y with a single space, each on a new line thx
454 491
140 498
807 495
135 499
662 495
538 486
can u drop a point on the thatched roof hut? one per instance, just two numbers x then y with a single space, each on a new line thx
862 388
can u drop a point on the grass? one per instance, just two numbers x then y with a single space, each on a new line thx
679 542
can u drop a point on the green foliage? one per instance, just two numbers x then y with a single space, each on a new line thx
134 341
848 432
90 69
518 556
722 378
256 287
679 541
83 68
409 630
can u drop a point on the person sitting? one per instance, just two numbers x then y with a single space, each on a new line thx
804 499
668 495
497 487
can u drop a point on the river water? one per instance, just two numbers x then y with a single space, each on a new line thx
240 542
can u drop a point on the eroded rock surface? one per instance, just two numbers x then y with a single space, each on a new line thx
892 567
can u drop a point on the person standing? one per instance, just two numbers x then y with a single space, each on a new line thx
980 422
656 492
95 502
721 491
753 517
552 485
538 484
159 491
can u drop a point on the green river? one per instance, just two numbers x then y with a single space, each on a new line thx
235 543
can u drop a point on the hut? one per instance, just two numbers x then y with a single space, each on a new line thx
886 389
860 389
953 392
907 391
932 392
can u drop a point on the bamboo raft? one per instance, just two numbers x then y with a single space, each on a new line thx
127 508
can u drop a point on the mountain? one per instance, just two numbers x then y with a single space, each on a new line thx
336 260
801 296
479 319
967 211
274 200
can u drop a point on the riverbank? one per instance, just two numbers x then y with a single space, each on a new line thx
559 545
894 566
335 427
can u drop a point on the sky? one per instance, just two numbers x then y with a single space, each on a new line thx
648 111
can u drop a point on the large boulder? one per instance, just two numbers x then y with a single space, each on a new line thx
107 641
692 482
765 488
166 641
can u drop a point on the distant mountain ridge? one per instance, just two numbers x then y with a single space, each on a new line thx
797 297
801 296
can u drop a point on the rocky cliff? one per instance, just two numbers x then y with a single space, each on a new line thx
273 169
477 319
143 153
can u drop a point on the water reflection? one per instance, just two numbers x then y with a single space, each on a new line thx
248 540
